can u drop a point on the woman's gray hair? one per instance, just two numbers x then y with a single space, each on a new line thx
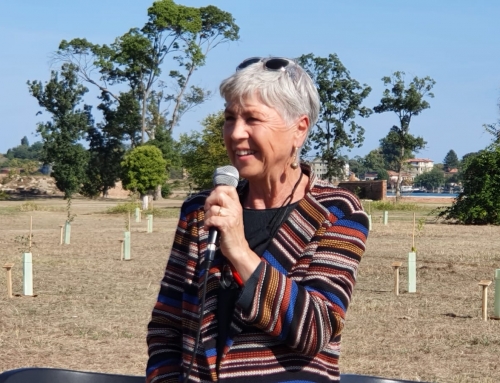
291 92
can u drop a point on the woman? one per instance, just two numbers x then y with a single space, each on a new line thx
289 249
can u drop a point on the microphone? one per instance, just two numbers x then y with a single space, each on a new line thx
225 175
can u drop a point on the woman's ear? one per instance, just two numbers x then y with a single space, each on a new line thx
301 131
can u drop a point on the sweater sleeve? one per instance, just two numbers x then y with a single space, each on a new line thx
164 337
308 312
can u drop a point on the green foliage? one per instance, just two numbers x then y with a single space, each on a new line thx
25 243
128 207
392 206
341 99
168 212
451 160
430 180
405 100
139 57
69 216
143 169
25 151
203 152
61 96
25 166
105 155
4 196
166 190
32 206
396 148
479 203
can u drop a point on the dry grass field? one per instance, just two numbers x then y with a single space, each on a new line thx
91 310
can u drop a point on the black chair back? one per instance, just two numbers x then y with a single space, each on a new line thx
353 378
55 375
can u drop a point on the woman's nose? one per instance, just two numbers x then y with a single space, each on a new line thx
239 130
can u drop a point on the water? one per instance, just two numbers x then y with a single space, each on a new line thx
424 195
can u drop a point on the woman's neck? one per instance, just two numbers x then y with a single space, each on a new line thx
272 193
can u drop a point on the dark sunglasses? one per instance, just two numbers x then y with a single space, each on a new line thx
269 63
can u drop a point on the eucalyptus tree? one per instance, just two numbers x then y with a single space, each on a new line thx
406 100
173 35
341 99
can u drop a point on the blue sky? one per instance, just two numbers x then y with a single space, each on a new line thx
455 42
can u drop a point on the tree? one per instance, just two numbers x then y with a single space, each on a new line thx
406 100
451 160
341 99
479 202
143 169
61 96
138 57
203 152
25 151
396 149
103 170
430 180
357 166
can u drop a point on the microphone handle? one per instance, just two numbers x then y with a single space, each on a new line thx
212 238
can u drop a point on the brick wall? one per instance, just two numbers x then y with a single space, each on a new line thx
374 190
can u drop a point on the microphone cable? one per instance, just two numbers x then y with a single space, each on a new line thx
200 321
226 175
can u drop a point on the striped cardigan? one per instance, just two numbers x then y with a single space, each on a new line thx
291 333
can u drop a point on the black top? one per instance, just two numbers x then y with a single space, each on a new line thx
260 226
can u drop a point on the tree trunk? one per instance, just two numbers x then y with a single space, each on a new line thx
157 193
145 202
398 182
143 118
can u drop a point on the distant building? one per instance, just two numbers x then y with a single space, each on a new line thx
369 176
417 166
393 178
319 167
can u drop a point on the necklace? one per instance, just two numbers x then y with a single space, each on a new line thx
230 279
281 212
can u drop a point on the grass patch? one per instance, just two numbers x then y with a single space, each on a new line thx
392 206
168 212
129 207
8 210
4 196
32 206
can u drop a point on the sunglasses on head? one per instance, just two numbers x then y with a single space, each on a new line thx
269 63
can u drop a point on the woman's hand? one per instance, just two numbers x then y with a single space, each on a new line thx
224 212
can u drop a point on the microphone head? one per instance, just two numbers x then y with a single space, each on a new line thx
226 175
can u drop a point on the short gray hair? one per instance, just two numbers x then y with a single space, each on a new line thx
291 92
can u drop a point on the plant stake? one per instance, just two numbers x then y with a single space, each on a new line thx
8 268
484 306
497 294
412 264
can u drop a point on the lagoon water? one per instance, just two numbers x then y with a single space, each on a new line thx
424 195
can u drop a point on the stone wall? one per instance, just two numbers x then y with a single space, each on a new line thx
374 190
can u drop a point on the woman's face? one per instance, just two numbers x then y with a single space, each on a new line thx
258 140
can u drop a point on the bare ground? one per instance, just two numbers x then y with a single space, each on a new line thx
91 310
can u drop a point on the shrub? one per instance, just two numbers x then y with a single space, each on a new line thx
390 206
479 203
4 195
127 207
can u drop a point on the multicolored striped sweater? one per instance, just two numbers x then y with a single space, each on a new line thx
291 333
